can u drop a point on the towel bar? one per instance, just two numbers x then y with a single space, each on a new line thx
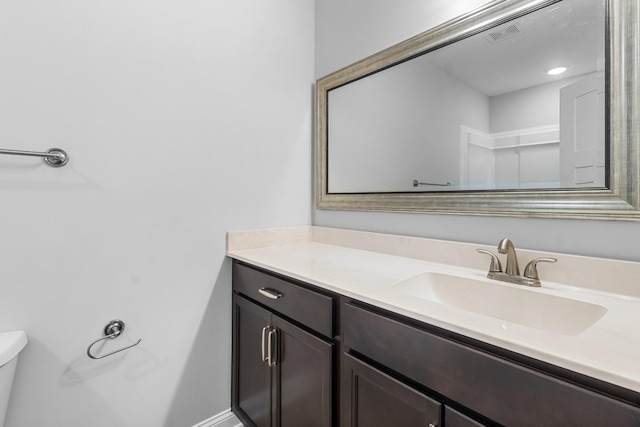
54 157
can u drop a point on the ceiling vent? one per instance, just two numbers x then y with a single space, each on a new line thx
496 36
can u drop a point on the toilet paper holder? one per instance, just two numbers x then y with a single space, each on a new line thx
112 330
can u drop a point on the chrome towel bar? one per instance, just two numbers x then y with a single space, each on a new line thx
54 157
112 330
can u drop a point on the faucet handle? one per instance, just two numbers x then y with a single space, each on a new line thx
531 270
495 266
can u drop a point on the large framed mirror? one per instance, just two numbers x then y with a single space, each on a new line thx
519 108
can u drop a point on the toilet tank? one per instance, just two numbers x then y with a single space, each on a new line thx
11 343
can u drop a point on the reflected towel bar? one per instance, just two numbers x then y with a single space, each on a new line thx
416 183
54 157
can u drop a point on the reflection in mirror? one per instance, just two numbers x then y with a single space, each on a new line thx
506 155
484 113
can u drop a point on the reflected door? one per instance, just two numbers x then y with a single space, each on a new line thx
582 156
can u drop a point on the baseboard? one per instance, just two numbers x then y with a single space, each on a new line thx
223 419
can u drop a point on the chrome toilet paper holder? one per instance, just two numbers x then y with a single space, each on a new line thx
112 330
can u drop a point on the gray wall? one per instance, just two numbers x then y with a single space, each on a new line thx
183 119
380 138
349 31
527 108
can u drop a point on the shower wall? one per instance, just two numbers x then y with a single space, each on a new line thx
182 120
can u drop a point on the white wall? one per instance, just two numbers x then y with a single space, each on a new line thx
349 31
183 119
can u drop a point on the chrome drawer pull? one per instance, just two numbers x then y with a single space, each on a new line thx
270 293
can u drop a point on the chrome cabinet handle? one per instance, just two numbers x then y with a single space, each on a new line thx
264 331
271 358
270 293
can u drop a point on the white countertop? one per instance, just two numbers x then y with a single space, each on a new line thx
333 259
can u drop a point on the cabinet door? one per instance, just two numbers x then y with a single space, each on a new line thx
371 398
252 386
303 374
453 418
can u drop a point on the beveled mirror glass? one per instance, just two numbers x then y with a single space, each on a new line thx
464 118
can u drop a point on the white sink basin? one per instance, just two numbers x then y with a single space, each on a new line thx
525 306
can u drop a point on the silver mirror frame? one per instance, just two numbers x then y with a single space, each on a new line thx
621 201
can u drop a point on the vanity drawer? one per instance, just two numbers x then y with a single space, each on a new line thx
308 307
503 391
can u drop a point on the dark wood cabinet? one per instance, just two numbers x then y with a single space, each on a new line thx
453 418
282 371
303 378
300 359
252 375
502 391
297 301
372 398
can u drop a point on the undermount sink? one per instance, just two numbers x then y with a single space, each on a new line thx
523 306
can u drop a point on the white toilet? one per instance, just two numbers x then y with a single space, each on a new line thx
11 343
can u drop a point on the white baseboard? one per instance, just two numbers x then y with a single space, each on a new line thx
223 419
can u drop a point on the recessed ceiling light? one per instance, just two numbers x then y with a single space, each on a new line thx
555 71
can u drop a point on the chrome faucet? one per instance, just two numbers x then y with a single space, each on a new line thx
506 247
511 272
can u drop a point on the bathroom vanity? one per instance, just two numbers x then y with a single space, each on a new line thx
283 351
321 339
